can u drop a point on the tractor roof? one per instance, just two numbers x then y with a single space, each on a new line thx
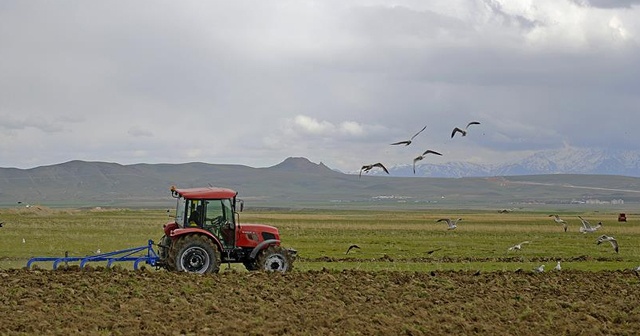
204 193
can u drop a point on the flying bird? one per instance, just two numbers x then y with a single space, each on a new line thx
539 269
518 247
587 227
463 131
559 220
558 267
452 224
420 157
605 238
408 142
367 168
352 247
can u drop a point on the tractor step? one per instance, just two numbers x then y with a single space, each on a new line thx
130 254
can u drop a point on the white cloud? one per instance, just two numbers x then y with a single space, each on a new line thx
312 126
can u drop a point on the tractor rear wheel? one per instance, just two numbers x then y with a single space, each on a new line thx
195 254
275 258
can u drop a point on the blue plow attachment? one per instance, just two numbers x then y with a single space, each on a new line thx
134 254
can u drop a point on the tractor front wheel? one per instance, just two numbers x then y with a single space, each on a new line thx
196 254
275 258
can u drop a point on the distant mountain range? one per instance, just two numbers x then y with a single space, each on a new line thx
563 161
297 182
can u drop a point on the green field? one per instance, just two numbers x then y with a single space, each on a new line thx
389 240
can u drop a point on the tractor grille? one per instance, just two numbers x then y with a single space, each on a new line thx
268 235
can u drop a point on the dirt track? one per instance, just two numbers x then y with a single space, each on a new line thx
318 302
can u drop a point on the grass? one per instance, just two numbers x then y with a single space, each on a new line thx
322 237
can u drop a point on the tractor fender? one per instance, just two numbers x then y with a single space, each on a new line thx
177 233
261 246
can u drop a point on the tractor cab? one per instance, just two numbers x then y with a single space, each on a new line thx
211 209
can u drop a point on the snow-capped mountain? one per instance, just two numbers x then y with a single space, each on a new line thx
567 160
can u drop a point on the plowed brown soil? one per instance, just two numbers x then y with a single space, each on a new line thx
124 302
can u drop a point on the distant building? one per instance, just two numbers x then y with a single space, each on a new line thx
597 201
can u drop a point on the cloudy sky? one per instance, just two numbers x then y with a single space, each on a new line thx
255 82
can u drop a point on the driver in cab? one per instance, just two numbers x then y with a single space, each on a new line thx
195 218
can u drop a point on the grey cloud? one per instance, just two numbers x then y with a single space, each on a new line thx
608 3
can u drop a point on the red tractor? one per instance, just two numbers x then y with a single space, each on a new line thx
207 232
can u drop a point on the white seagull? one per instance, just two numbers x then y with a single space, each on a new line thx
453 224
559 220
609 239
367 168
558 267
463 131
518 246
539 269
420 157
408 142
587 227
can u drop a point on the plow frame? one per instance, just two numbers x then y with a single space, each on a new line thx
151 257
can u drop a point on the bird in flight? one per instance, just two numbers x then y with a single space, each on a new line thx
559 220
408 142
452 224
352 247
605 238
420 157
463 131
367 168
518 247
587 227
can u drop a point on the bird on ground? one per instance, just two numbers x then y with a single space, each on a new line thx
23 240
559 220
1 224
605 238
587 227
352 247
420 157
539 269
451 223
518 246
504 210
98 251
558 267
463 131
431 251
408 142
367 168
